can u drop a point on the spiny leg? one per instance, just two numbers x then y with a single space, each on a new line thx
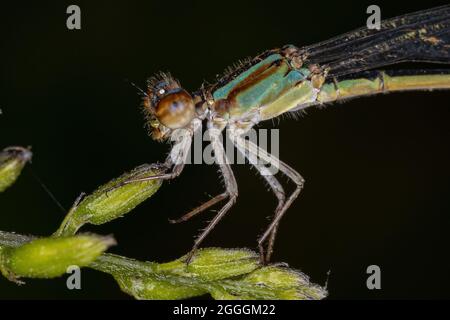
231 192
214 135
277 189
176 160
294 176
279 192
285 169
176 171
200 208
271 230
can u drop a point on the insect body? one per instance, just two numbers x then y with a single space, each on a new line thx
290 79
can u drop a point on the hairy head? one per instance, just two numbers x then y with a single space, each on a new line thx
167 106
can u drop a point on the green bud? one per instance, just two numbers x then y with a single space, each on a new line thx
112 200
214 264
50 257
144 281
152 288
281 283
12 161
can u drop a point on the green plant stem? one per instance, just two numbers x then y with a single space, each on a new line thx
224 273
112 263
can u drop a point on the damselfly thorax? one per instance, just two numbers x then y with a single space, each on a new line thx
287 80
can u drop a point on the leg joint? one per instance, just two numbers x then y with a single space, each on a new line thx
300 182
233 196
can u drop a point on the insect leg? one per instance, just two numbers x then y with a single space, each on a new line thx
285 169
276 187
200 208
177 157
231 192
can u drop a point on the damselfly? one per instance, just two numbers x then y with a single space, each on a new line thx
286 80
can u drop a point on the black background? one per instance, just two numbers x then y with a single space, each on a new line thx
376 169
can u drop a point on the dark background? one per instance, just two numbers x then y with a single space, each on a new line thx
376 169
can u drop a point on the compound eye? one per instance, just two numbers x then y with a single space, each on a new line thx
176 109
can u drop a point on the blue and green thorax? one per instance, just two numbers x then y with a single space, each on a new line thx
258 86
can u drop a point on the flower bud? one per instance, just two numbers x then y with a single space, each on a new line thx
282 283
12 161
50 257
112 200
214 264
152 288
